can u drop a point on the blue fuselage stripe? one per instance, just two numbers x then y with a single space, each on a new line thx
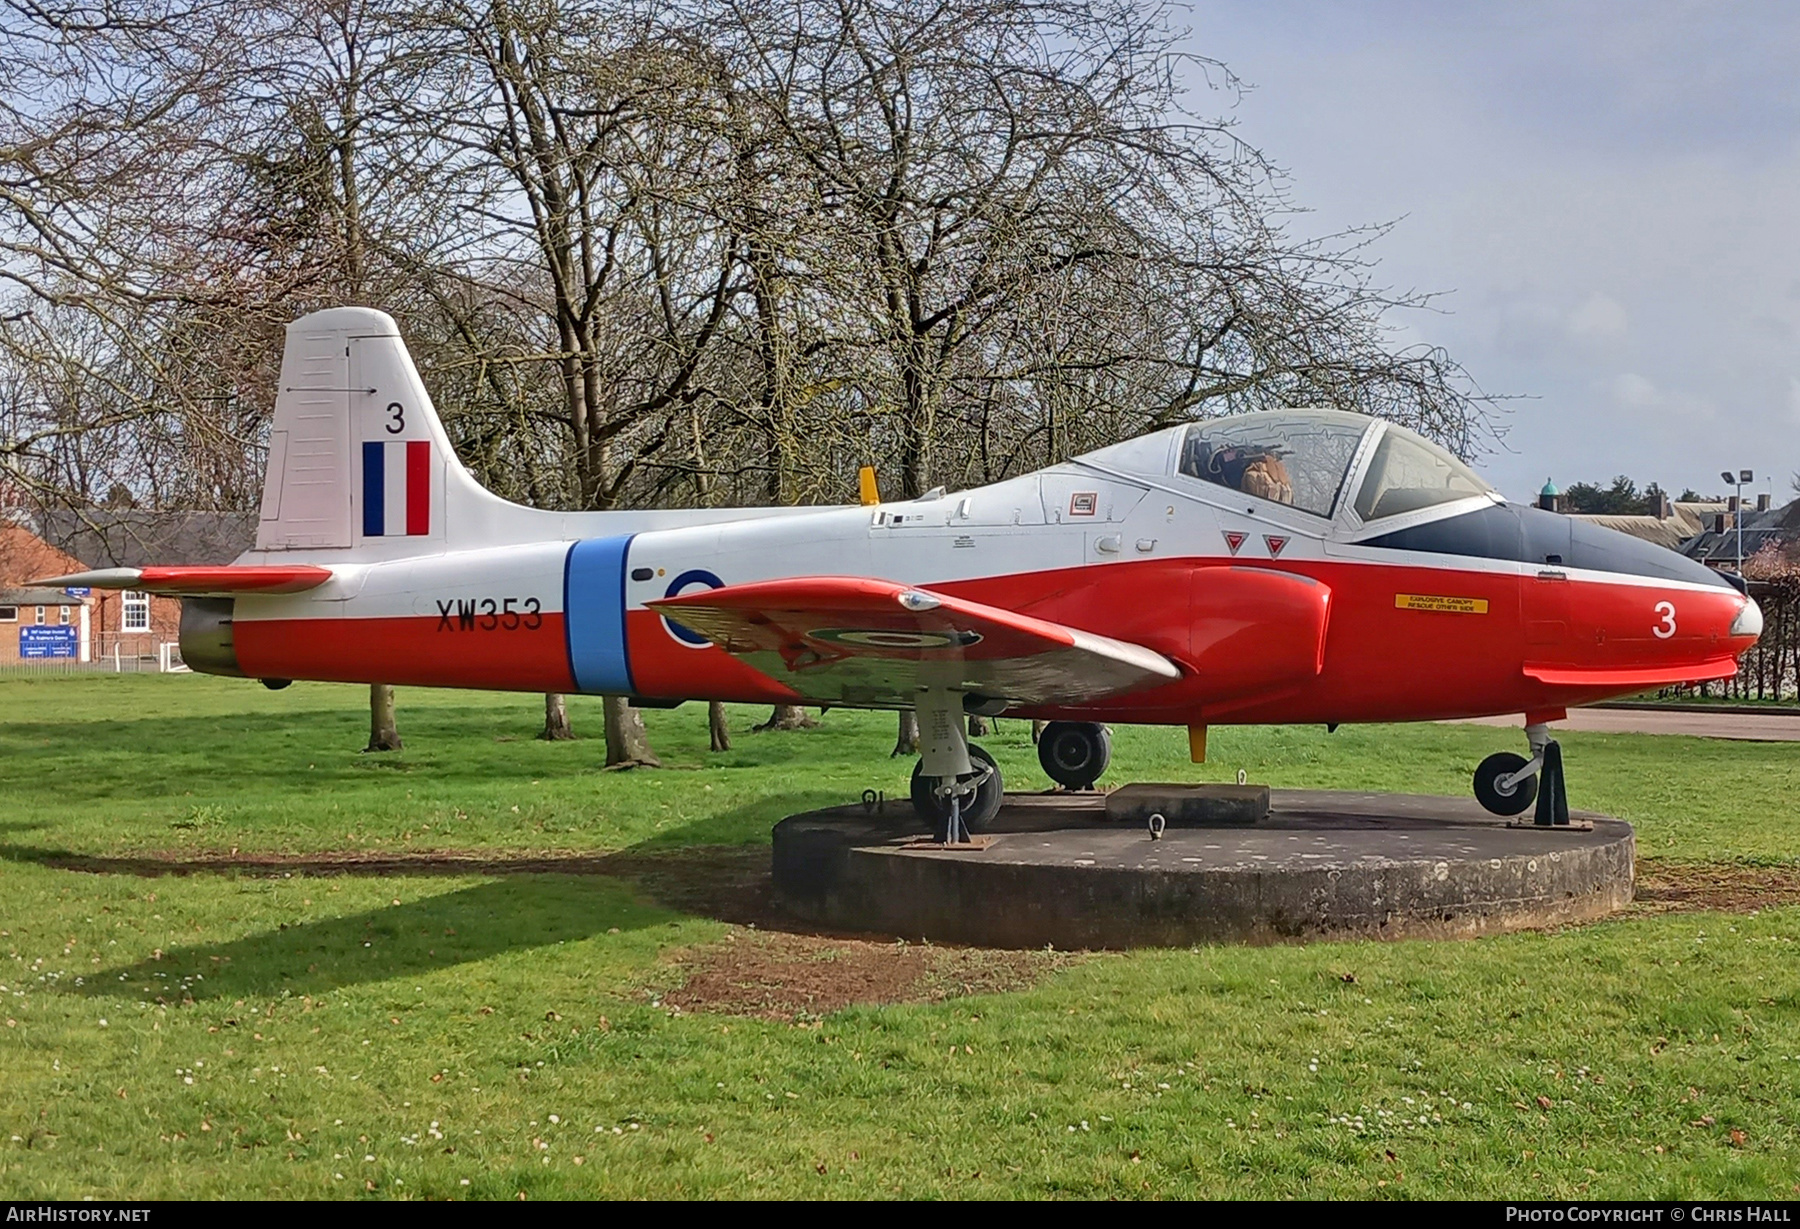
374 489
594 614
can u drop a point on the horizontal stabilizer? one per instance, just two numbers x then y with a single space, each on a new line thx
196 581
852 640
1632 676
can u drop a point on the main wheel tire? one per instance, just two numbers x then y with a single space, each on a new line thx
977 810
1075 753
1487 784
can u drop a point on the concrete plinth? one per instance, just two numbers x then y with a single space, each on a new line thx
1321 864
1205 805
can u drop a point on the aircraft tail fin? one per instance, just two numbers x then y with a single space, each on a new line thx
358 459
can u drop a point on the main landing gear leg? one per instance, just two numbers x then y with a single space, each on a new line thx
956 788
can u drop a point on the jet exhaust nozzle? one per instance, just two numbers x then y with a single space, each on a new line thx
206 643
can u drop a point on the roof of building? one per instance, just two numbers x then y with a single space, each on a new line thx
1686 518
37 597
1698 509
1777 525
1668 532
134 537
1549 488
24 556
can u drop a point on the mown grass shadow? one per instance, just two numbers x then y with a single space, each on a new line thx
310 751
314 750
747 824
439 932
704 870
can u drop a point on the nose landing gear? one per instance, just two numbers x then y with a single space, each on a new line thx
1507 784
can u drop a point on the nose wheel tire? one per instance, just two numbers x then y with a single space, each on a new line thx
978 806
1075 753
1487 784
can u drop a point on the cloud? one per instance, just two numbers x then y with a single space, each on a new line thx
1608 189
1631 391
1634 392
1599 318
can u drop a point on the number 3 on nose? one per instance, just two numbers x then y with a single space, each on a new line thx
1666 628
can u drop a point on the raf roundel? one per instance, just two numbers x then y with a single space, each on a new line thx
685 581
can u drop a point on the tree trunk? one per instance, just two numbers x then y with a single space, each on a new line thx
556 719
717 728
979 725
908 741
1037 731
786 717
627 742
384 732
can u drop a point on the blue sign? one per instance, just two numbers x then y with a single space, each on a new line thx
79 592
49 642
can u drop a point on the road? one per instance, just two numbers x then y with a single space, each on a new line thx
1751 727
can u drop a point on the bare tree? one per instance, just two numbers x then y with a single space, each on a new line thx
325 69
787 717
556 719
567 147
627 742
384 732
656 252
906 740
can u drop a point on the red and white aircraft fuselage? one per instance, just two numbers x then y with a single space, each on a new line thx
1288 566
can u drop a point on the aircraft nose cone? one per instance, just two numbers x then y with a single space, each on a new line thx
1749 621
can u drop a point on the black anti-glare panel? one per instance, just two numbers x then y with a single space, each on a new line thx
1549 539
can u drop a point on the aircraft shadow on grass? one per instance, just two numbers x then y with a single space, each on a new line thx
453 928
530 902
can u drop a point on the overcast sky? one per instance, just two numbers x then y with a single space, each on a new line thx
1610 190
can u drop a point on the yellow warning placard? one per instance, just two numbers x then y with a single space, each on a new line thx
1447 605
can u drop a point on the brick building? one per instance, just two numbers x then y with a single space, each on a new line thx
124 625
39 623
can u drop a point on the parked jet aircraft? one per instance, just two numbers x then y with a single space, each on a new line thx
1283 566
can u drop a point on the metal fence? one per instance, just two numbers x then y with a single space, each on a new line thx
165 660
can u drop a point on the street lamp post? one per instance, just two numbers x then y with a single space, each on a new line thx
1739 479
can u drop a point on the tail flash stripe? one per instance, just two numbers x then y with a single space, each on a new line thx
374 490
418 487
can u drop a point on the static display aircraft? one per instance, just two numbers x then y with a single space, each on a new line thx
1283 566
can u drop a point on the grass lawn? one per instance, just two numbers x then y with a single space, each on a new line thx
249 1032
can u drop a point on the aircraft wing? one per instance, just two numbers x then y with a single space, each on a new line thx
196 581
851 640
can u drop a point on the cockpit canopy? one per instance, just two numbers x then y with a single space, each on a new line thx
1303 458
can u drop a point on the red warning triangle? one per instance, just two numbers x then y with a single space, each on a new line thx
1234 540
1274 544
